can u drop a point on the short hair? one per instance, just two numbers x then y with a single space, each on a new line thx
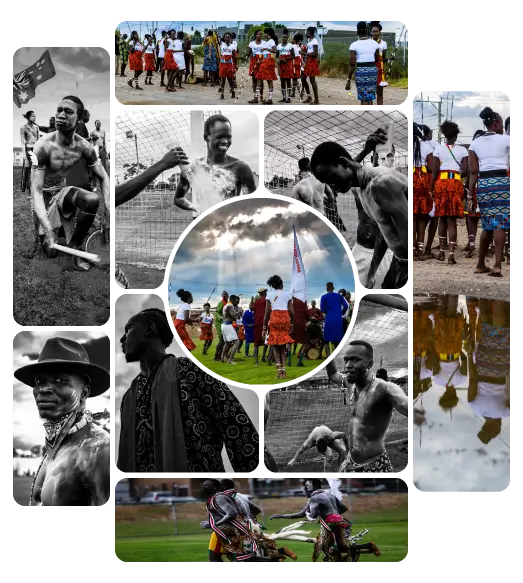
213 482
235 297
489 116
183 294
210 121
227 484
275 281
311 29
450 129
304 164
361 27
342 292
382 374
328 153
478 134
330 284
133 33
98 121
364 344
285 31
321 444
80 110
206 304
158 317
316 483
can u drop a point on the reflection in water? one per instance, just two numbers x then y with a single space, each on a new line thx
461 393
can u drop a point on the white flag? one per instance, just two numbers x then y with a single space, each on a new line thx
299 280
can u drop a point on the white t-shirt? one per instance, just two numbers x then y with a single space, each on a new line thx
268 44
365 50
180 312
310 46
425 150
179 57
149 48
492 151
161 49
382 45
447 162
136 45
226 49
297 49
279 299
207 318
170 44
234 45
256 48
285 49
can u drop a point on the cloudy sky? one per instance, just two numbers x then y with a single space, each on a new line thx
88 66
467 105
27 425
128 306
240 245
159 130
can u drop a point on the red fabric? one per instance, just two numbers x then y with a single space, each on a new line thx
184 335
448 196
279 326
421 181
297 67
312 68
227 68
301 316
259 314
169 64
240 330
315 313
287 69
149 62
135 61
254 63
379 64
267 69
206 334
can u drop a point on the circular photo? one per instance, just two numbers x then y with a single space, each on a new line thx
261 291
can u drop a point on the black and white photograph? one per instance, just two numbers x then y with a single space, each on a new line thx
61 190
170 415
170 167
61 442
352 167
353 415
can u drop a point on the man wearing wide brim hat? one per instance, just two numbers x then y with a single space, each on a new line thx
260 305
75 467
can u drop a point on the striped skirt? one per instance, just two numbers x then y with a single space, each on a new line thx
493 195
183 334
366 81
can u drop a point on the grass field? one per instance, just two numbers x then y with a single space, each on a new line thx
388 529
51 292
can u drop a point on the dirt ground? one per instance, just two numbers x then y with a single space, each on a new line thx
331 92
437 277
142 277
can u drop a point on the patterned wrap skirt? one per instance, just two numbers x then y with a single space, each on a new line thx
279 327
312 67
333 539
149 62
206 334
421 181
135 61
448 197
267 69
286 69
227 69
366 81
184 335
240 330
254 64
169 64
297 67
378 464
493 195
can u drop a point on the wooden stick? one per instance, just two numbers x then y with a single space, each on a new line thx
83 254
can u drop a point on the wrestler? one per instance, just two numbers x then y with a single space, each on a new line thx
29 135
98 140
217 176
326 442
309 189
372 402
383 196
76 465
55 204
231 313
174 417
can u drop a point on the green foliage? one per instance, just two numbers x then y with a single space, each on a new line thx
132 170
197 37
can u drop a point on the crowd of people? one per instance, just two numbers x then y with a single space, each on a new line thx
453 182
275 322
294 60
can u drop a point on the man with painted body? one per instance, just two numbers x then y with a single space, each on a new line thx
326 442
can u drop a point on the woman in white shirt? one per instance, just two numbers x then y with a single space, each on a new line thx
375 30
297 45
149 47
160 53
364 54
179 57
183 314
422 203
489 178
206 320
285 56
255 54
227 70
449 167
135 60
169 62
279 316
311 68
267 69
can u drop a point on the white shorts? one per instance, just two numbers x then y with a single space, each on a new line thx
229 333
363 258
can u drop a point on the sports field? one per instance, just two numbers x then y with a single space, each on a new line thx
147 534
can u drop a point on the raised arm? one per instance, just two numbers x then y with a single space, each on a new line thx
378 137
334 375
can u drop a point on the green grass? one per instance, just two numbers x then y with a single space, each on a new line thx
391 538
245 370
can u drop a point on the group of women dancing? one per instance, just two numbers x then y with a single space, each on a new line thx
452 182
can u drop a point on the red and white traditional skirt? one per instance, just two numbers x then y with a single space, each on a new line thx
149 62
287 69
227 69
267 69
279 328
297 67
422 204
312 68
206 334
135 61
254 64
169 64
183 334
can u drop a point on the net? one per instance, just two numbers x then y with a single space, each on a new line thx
148 226
292 135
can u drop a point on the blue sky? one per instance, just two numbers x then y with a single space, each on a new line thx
239 246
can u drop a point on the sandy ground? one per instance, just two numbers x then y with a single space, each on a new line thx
331 92
437 277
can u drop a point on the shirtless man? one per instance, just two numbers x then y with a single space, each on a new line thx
231 312
335 531
98 141
383 197
56 205
216 177
372 402
326 442
76 465
310 190
29 135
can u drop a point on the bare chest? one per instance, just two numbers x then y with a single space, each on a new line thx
62 158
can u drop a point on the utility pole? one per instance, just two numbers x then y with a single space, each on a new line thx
437 106
137 157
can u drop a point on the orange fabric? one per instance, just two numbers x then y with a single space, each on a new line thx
287 69
227 69
254 63
267 70
169 64
312 67
421 181
422 331
240 330
448 196
297 67
448 333
206 334
135 61
279 327
149 62
184 335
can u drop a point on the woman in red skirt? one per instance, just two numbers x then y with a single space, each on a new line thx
450 165
422 199
169 63
150 66
296 74
227 67
135 60
285 57
312 67
206 320
183 317
267 68
255 59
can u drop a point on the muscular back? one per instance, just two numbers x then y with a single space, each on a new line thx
323 504
310 191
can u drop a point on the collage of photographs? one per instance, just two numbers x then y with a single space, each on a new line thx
212 298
